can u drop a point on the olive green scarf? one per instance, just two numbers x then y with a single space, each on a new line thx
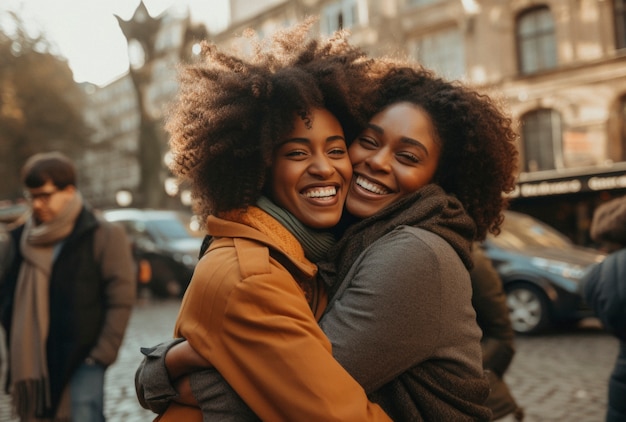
314 242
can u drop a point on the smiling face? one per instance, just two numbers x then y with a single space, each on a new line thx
395 156
311 171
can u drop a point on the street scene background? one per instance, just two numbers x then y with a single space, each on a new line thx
560 68
556 376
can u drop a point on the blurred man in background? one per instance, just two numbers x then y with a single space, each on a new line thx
65 300
604 289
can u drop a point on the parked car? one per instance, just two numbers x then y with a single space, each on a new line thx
540 269
13 214
165 247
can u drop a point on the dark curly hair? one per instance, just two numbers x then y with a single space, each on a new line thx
478 159
231 112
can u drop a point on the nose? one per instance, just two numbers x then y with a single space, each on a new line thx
379 160
38 207
322 167
37 202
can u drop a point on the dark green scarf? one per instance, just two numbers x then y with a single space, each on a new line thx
314 242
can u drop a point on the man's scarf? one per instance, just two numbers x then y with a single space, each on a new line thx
31 315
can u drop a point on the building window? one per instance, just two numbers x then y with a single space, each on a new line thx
339 15
442 51
536 40
620 23
542 140
421 2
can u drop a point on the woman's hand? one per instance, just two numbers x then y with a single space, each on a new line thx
182 359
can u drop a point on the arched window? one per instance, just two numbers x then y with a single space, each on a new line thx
619 11
542 140
536 40
442 51
340 14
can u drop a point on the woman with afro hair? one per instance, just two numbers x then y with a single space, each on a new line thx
429 176
430 170
262 143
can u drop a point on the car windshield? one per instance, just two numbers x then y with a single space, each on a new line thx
519 231
169 229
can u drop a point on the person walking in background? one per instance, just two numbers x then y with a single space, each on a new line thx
608 225
65 299
6 249
604 289
492 315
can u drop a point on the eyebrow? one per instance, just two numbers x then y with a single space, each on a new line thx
308 140
404 139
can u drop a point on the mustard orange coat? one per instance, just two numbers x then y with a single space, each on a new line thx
245 312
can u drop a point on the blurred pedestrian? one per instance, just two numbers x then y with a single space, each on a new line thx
604 289
65 300
6 249
608 226
492 315
6 256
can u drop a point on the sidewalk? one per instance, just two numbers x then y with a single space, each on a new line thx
558 376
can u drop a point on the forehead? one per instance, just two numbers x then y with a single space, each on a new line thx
405 119
402 111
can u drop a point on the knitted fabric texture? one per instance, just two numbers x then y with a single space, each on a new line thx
430 208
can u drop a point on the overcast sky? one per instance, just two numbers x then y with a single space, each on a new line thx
88 35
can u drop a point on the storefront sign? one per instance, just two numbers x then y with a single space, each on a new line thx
570 185
603 183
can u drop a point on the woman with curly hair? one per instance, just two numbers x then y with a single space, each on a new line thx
429 173
430 170
261 144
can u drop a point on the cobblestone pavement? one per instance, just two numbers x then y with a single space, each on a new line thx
558 376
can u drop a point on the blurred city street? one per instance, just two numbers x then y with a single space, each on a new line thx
557 376
98 84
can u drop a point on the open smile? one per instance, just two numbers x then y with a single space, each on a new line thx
371 186
320 192
321 195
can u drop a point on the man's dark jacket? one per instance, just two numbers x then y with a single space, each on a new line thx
78 298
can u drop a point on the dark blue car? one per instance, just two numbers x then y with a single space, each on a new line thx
165 247
541 270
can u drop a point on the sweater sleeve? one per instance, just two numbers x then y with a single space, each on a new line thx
386 317
604 290
117 268
258 331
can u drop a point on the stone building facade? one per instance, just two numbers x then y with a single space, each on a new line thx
559 66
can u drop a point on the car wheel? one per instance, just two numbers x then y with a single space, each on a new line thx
528 308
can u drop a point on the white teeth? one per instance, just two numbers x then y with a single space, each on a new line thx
321 193
369 186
